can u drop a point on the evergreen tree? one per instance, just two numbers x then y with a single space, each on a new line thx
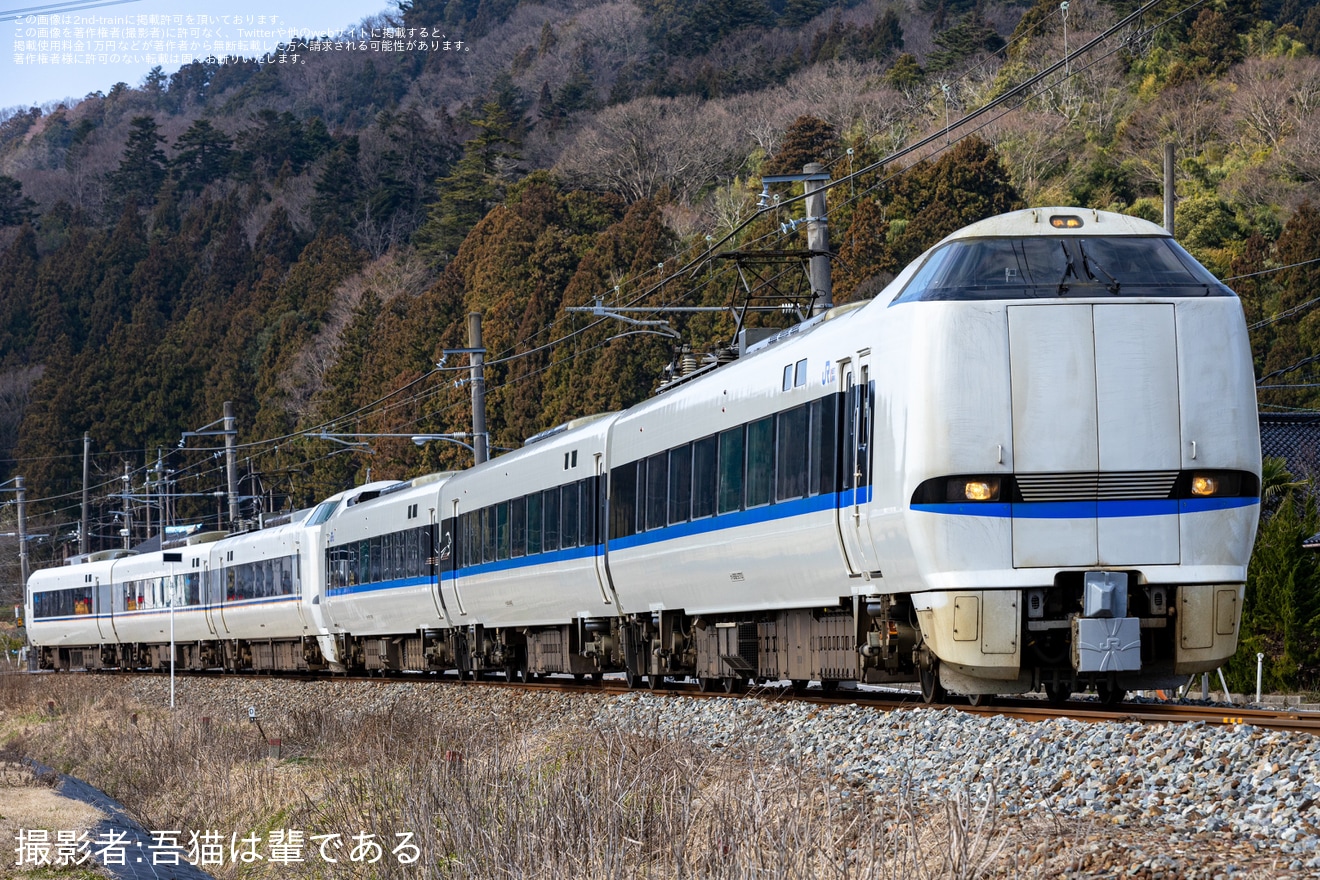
18 287
142 170
338 189
477 181
15 208
807 140
204 153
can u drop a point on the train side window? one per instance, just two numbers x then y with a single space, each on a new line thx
788 377
705 475
550 517
357 562
518 526
488 534
680 484
760 461
657 489
534 528
569 512
474 542
502 530
590 505
377 566
822 465
623 500
731 470
791 454
800 373
411 568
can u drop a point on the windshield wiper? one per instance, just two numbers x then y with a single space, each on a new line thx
1087 263
1067 270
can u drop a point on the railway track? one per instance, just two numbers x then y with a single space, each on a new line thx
1026 709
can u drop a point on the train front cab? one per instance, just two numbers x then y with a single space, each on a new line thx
1106 543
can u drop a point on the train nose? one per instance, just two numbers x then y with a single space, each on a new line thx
1095 414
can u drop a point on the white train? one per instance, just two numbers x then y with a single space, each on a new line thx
1032 462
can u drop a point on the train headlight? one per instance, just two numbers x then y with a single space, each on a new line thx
1212 484
974 489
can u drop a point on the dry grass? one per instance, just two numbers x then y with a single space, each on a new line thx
498 796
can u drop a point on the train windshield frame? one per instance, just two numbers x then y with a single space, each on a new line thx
1053 266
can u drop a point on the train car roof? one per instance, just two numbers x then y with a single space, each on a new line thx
1057 221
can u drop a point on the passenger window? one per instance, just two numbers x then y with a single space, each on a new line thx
488 535
623 500
731 470
550 514
680 484
590 504
791 454
657 486
518 514
760 461
502 530
569 497
534 531
705 476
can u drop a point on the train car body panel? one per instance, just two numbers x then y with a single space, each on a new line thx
527 549
378 547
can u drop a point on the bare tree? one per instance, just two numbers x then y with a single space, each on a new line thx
651 144
1262 104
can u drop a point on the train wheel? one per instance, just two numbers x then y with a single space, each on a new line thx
706 685
931 689
1110 695
655 682
980 699
633 681
735 685
597 678
799 685
828 686
1057 694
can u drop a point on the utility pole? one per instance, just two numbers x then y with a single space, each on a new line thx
480 445
127 531
1168 188
83 537
22 529
231 462
162 494
818 238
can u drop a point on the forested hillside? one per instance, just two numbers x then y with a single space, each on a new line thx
304 239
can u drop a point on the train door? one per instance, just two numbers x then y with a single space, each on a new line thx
600 484
440 561
460 545
1096 440
210 601
104 609
855 489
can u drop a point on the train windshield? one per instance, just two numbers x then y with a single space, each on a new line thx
1054 266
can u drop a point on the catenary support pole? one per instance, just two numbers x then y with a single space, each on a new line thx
818 240
23 566
480 444
83 537
231 462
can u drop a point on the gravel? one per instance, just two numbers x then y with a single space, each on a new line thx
1157 794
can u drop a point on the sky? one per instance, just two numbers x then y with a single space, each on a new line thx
57 50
